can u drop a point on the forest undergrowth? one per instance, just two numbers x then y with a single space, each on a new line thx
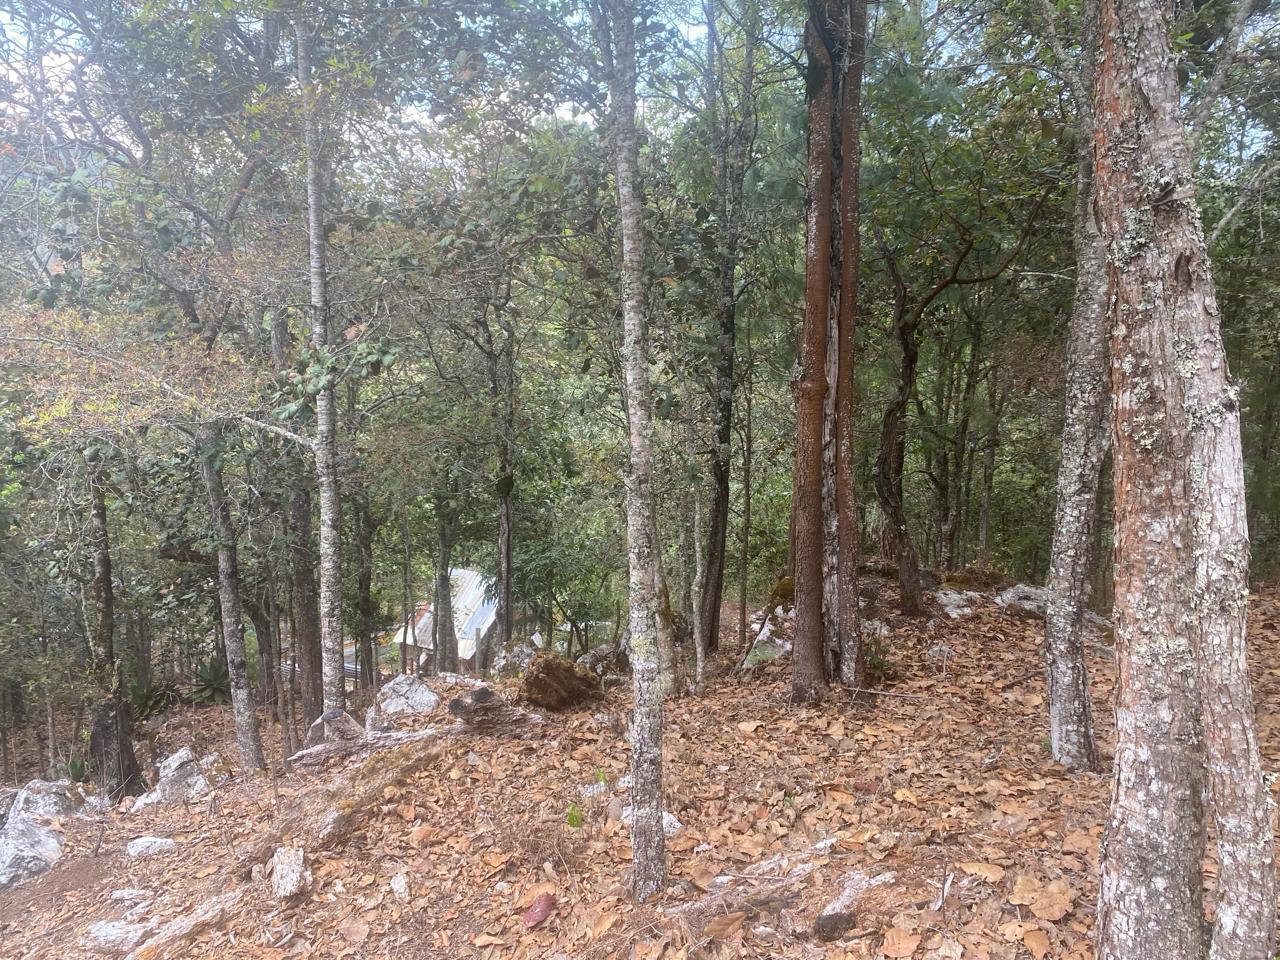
938 789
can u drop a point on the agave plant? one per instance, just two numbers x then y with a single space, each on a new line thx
212 683
148 699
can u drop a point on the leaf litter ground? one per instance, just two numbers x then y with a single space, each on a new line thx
938 795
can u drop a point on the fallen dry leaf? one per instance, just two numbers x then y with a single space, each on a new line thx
725 926
990 872
898 943
1036 941
354 929
1054 902
540 910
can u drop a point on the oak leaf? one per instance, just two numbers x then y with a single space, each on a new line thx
898 943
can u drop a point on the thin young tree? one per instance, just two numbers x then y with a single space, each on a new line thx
649 614
248 740
325 445
1182 548
1085 440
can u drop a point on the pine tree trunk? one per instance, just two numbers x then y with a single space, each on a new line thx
1085 441
808 666
1182 551
246 720
333 669
650 612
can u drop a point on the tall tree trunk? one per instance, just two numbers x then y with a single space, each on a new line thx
957 487
731 148
246 720
1182 550
808 666
650 607
366 528
326 440
444 638
890 461
1085 441
302 571
111 735
852 665
1084 447
744 557
997 390
301 552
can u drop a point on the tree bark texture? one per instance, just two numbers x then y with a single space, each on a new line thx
1182 551
732 137
444 637
248 740
1085 441
649 610
302 558
326 440
111 735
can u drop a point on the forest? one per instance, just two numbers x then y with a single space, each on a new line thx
642 479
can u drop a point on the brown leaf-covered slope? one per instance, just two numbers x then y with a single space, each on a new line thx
939 804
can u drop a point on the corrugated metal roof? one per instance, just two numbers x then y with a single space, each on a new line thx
473 610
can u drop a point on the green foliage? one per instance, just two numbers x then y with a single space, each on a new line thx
211 684
149 699
575 817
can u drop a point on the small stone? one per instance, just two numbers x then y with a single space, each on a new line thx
400 887
128 895
290 877
150 846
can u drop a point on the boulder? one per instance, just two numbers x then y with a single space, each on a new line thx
406 694
957 604
150 846
769 644
332 726
513 658
181 778
31 841
604 660
116 937
290 878
1024 599
556 683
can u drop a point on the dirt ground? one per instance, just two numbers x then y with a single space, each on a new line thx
938 790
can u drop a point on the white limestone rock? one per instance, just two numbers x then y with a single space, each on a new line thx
406 694
957 603
150 846
1025 599
182 778
114 938
31 839
290 877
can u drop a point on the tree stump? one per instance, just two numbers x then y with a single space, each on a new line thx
559 684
